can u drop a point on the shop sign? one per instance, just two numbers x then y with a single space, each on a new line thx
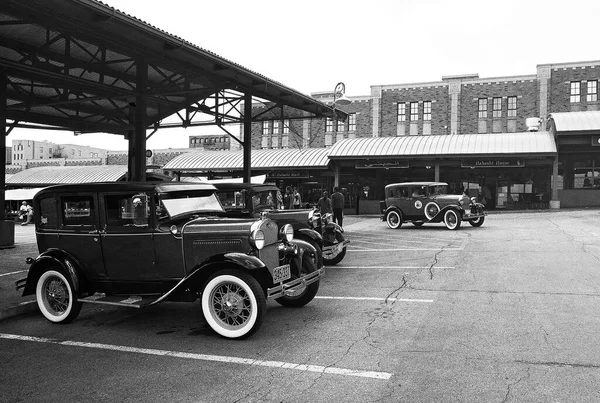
493 163
382 164
290 175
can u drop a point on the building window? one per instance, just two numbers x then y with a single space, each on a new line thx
401 112
340 126
575 91
512 107
497 107
427 110
482 108
592 91
265 128
329 125
414 111
276 127
286 126
352 122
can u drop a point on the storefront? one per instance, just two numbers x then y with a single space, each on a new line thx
513 170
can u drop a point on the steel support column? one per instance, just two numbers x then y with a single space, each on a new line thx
247 137
7 227
137 139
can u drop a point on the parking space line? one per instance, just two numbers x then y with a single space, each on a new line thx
12 272
400 249
376 299
389 267
207 357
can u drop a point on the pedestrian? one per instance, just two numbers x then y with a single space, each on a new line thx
26 212
288 198
297 199
324 204
337 203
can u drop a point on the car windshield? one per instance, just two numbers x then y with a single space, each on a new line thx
182 203
438 190
265 200
262 200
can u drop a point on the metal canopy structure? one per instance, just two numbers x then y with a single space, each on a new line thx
83 66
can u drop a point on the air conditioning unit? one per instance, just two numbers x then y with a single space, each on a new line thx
533 124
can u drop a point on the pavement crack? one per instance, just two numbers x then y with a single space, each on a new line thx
511 385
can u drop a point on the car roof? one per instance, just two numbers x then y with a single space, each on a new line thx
161 187
417 184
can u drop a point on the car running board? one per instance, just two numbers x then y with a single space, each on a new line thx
132 301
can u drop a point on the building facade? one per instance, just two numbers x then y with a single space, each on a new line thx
483 108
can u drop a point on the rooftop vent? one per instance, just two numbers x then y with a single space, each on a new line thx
533 124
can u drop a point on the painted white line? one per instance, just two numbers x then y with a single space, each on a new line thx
206 357
400 249
12 272
376 299
389 267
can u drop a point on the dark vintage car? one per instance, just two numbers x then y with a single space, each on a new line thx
137 244
252 200
425 202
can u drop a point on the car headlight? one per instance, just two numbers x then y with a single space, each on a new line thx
287 233
258 239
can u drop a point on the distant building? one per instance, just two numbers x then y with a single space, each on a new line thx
32 152
211 142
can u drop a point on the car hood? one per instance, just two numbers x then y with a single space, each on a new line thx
298 218
449 199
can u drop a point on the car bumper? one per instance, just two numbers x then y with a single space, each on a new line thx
292 287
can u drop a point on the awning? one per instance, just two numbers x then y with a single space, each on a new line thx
53 175
21 194
456 145
576 121
315 158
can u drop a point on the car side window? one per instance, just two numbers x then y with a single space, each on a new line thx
48 216
127 210
419 191
401 192
78 211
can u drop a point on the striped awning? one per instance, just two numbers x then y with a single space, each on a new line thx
576 121
54 175
457 145
315 158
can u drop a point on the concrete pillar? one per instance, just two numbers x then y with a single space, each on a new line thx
543 77
555 202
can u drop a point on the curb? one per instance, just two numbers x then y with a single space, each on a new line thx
20 309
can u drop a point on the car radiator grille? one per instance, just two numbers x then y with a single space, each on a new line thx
270 255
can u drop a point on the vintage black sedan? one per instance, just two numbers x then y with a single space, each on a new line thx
137 244
254 200
428 202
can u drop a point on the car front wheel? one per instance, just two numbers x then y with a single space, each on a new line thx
394 219
452 219
233 304
477 222
56 298
304 294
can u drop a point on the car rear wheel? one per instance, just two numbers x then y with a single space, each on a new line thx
233 304
394 219
477 222
452 220
304 294
56 297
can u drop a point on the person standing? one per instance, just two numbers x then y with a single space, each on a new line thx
288 198
297 199
324 204
337 203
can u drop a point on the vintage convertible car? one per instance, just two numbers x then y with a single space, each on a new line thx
424 202
136 244
252 200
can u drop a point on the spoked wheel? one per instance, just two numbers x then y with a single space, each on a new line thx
56 297
304 294
394 219
431 210
334 253
233 304
477 222
452 220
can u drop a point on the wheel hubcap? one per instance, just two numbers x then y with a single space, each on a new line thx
231 305
57 296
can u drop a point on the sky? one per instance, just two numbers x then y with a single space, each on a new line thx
312 45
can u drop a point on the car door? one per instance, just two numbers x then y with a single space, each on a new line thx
79 232
417 196
127 236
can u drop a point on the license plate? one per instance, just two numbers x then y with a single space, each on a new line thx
281 273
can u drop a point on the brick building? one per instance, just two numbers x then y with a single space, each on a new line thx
490 110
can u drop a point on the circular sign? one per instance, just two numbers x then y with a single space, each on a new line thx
418 204
148 153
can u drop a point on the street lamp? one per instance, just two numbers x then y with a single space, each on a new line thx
339 95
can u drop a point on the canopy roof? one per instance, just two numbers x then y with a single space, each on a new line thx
54 175
456 145
81 65
261 159
576 121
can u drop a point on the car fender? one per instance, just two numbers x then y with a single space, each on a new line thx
458 209
68 264
310 234
391 208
